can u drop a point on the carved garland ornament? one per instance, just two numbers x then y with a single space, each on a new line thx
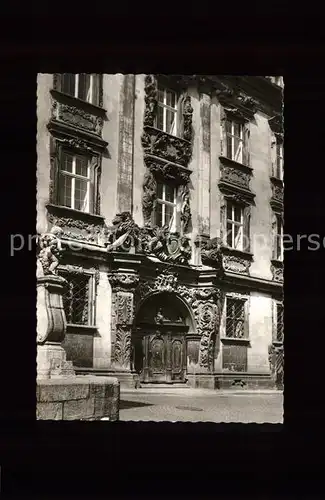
91 233
123 282
235 176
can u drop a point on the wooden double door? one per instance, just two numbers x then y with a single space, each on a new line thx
160 354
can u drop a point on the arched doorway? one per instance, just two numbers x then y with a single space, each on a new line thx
159 337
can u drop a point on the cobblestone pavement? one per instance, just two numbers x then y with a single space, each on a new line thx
202 406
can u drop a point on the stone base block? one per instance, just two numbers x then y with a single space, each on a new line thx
78 398
202 381
231 381
52 362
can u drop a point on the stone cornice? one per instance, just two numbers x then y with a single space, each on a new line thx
61 131
252 283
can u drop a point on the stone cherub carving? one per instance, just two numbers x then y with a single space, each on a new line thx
49 252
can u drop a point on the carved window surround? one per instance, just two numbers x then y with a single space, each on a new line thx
276 201
236 193
63 139
92 274
166 146
277 267
236 103
76 113
234 173
57 87
236 261
167 170
79 226
276 125
64 131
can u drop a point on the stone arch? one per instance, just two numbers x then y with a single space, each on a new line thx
184 307
163 325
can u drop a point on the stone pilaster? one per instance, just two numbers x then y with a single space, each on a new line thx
123 285
204 166
126 139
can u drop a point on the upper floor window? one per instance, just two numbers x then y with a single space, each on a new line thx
235 226
167 110
234 140
235 318
84 86
79 300
279 331
278 238
279 160
75 181
166 205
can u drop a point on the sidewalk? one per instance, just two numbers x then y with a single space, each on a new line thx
189 391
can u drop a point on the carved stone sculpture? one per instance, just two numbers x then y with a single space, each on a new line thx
211 253
149 196
49 251
123 234
187 116
150 88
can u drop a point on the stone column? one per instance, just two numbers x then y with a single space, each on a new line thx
51 328
123 287
125 150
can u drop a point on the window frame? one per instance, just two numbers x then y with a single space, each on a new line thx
64 173
94 87
278 236
278 304
163 202
165 88
245 304
91 299
233 122
234 223
279 160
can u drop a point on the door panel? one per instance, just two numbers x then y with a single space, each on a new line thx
164 357
178 358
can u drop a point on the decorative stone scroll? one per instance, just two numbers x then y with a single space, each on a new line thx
166 146
79 228
211 252
122 282
277 194
167 281
236 102
235 175
277 270
168 247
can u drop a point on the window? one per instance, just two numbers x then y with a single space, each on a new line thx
78 301
167 110
279 160
82 85
235 318
279 323
166 205
278 243
234 140
235 226
75 181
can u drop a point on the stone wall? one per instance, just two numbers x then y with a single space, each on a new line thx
86 398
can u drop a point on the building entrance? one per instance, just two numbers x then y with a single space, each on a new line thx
159 340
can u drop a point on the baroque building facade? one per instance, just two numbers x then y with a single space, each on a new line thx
168 191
